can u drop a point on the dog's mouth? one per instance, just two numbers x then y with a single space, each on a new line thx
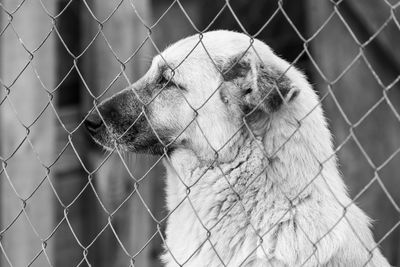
120 123
113 131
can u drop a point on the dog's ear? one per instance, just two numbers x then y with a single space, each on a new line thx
258 85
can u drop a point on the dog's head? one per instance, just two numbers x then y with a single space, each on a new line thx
197 95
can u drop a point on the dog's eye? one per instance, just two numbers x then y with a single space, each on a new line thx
162 80
165 82
247 91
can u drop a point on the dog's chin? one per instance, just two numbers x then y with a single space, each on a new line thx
155 149
103 141
139 144
108 143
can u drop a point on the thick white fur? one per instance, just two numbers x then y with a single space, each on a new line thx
248 210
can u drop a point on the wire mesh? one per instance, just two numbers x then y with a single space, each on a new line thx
43 108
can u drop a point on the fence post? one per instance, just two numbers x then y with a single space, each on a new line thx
124 32
1 152
26 98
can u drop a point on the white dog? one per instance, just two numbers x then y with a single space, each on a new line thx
252 178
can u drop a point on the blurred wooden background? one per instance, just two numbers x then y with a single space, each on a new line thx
41 109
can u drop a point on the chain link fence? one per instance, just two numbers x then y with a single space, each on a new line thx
65 202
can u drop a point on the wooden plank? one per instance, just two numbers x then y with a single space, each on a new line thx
357 91
125 33
388 37
27 98
2 94
69 179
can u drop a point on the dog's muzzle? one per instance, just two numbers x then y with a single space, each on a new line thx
120 120
112 121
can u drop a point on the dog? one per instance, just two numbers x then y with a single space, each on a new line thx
252 178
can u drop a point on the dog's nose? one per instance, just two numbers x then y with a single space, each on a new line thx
93 123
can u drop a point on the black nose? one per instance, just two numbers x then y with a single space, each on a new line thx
93 123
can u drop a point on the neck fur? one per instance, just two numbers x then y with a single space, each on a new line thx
268 176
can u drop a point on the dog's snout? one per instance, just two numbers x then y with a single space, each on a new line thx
93 123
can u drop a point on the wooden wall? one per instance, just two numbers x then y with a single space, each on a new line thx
78 76
22 172
357 90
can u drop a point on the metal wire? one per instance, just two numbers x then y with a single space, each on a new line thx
22 213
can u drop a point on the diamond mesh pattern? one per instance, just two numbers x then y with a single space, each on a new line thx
49 171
